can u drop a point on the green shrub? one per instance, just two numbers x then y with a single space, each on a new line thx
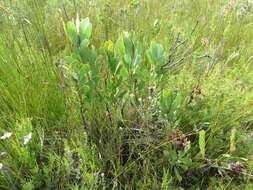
138 95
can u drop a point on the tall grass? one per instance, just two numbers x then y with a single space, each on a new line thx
147 95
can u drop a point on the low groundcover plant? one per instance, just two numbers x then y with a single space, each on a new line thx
126 95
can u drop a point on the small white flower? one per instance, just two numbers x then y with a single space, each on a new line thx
131 95
1 166
2 154
27 138
6 136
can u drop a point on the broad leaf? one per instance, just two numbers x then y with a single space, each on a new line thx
202 142
85 29
232 140
71 32
120 49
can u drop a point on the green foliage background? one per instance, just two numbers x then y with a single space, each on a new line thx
145 94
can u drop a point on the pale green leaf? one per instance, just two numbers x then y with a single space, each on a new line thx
85 29
202 142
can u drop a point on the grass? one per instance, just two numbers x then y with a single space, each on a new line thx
142 95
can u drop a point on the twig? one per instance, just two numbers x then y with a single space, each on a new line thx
82 109
174 48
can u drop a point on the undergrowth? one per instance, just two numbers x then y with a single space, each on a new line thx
126 94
